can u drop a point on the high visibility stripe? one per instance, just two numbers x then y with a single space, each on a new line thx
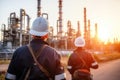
94 64
60 76
69 67
10 76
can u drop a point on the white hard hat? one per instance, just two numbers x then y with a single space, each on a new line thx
39 27
79 42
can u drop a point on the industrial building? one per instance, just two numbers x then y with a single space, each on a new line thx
16 33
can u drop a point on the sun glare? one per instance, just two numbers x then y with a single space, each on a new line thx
104 35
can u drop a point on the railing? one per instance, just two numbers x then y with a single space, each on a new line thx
5 55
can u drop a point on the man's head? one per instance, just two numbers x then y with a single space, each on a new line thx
39 27
79 42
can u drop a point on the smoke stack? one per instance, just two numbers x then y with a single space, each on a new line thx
85 27
39 8
89 29
96 31
78 32
88 35
60 16
69 28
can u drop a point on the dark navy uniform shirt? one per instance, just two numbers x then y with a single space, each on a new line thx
75 61
22 61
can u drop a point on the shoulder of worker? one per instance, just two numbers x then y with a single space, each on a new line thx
82 52
20 50
49 49
73 55
87 51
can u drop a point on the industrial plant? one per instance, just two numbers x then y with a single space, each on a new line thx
16 33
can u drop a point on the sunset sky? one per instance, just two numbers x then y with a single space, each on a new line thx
106 13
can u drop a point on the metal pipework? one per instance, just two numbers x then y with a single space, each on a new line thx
57 26
28 23
85 27
69 28
3 29
96 31
79 32
22 13
12 15
88 35
28 26
51 31
45 14
39 8
89 30
60 17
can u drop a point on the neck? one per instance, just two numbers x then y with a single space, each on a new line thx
79 48
44 38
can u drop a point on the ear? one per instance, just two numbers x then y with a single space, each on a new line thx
44 37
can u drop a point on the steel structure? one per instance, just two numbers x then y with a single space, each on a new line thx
60 19
78 28
16 34
39 8
85 25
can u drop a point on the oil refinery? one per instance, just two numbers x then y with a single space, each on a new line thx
16 33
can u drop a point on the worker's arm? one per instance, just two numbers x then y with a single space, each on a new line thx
94 63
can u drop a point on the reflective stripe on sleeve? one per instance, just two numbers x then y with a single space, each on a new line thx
60 76
94 64
69 67
10 76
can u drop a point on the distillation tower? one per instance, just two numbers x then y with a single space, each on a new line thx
60 25
87 35
39 8
16 34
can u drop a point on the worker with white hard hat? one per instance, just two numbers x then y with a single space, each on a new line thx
27 60
79 42
80 61
39 27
